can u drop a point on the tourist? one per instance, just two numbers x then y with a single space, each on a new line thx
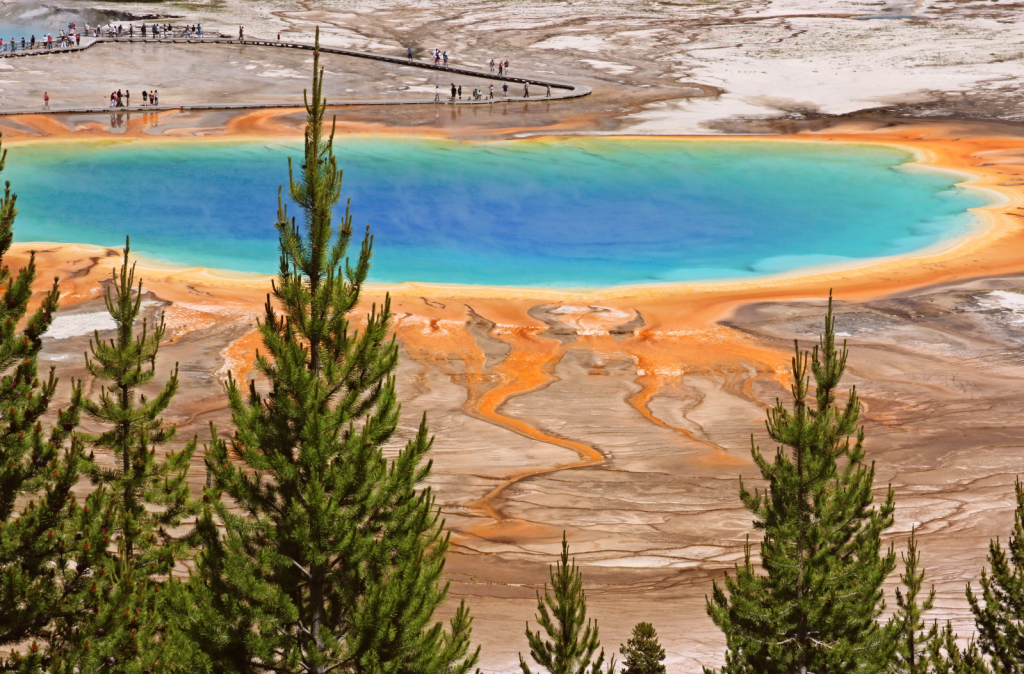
506 66
154 97
491 94
78 39
492 65
504 90
113 99
143 30
278 37
241 33
410 53
49 41
32 42
501 68
131 30
446 59
453 91
199 29
22 44
127 98
460 92
145 97
46 101
526 89
437 94
549 91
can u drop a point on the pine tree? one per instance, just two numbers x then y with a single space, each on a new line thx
333 560
125 633
948 658
572 639
815 607
642 653
50 546
148 494
999 614
151 494
913 640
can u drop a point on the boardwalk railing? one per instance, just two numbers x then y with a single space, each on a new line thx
559 90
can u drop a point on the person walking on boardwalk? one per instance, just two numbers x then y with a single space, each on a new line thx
32 42
460 92
453 91
491 95
549 91
504 90
127 98
501 68
506 66
437 94
145 97
199 29
526 89
46 101
492 65
241 33
446 59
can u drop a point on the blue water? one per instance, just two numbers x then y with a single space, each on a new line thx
24 18
557 213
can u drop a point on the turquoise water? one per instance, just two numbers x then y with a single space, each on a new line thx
557 213
24 18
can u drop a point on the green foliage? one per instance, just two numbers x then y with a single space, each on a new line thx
642 653
51 549
999 614
572 639
330 555
148 495
815 607
125 634
912 640
947 658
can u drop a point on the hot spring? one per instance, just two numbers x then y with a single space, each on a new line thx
568 213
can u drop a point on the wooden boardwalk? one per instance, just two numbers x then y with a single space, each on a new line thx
559 90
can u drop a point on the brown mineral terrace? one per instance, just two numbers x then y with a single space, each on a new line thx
624 415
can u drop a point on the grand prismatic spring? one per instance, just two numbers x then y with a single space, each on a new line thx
595 296
563 213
